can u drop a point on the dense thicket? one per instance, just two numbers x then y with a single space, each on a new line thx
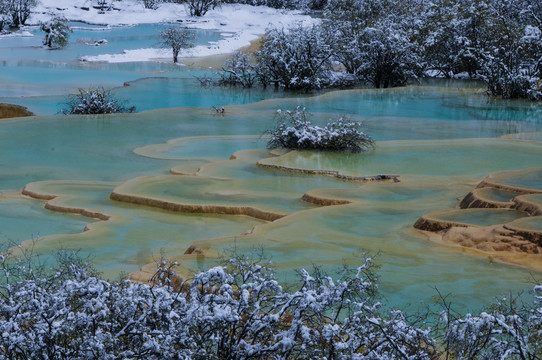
239 311
14 13
387 43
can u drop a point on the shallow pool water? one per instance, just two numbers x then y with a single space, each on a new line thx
528 179
483 217
497 194
440 139
529 223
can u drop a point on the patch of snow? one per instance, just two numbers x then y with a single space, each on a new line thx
242 23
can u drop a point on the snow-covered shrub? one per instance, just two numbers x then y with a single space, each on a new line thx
17 11
237 311
95 101
506 331
151 4
57 32
176 38
103 5
295 131
238 70
513 69
5 19
295 58
200 7
373 40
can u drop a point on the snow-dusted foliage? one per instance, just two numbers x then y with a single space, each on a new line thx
295 58
200 7
239 70
505 332
57 32
151 4
176 38
284 4
295 131
373 40
16 12
95 101
4 21
238 311
498 41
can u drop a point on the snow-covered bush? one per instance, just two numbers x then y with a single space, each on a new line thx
498 41
95 101
176 38
283 4
238 311
295 58
4 21
506 331
295 131
151 4
17 11
373 40
239 70
57 32
200 7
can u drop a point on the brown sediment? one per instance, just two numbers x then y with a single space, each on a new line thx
475 199
75 210
433 224
50 205
193 208
322 201
334 173
36 195
12 111
522 203
496 243
534 236
509 243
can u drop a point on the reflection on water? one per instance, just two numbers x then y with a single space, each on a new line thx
441 141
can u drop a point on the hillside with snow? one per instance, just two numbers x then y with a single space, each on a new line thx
240 23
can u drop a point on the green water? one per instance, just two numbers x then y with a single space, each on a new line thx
433 175
483 217
496 194
528 179
429 158
529 223
441 139
17 213
133 235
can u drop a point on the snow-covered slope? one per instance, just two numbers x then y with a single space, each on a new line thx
243 23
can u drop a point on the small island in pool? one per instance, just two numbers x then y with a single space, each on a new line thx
12 111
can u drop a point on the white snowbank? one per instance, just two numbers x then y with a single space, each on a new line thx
245 22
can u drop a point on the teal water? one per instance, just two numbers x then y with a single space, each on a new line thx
530 223
16 213
483 217
497 195
441 138
529 179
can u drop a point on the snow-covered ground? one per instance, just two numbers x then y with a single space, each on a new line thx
241 24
